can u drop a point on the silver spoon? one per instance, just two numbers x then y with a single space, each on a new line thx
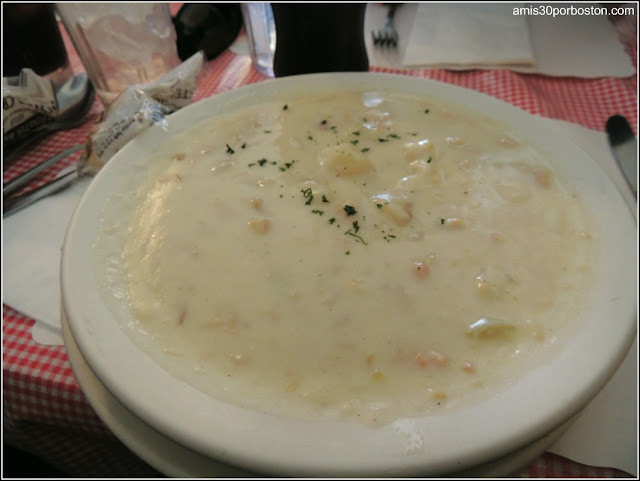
75 99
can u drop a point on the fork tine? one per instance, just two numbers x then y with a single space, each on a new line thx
387 35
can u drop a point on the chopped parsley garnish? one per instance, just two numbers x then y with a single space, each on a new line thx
356 227
316 211
244 144
426 111
286 107
324 122
358 238
350 210
366 149
262 162
441 221
354 142
383 140
332 220
324 199
429 160
308 194
230 150
356 133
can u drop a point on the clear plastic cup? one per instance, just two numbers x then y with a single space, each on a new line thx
261 34
121 44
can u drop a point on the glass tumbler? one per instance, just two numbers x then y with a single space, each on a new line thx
261 35
121 44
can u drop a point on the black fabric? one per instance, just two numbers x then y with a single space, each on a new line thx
210 27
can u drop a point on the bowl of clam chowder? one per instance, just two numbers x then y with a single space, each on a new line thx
352 275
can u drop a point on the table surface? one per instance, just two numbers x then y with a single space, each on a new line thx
44 409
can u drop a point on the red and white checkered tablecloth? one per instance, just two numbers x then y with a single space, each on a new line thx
44 409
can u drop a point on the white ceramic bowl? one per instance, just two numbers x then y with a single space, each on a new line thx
532 407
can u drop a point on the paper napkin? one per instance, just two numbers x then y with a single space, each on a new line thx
460 36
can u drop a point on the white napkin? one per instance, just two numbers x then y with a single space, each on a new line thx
32 240
605 433
467 35
487 36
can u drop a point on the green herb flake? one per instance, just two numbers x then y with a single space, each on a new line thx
332 220
394 136
230 150
324 122
357 237
348 253
379 206
429 160
350 210
262 162
356 227
308 194
316 211
441 221
354 142
286 107
426 111
383 140
324 199
366 149
244 144
356 133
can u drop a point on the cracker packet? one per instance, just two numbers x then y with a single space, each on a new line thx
136 109
28 103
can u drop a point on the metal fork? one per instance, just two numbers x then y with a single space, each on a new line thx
387 35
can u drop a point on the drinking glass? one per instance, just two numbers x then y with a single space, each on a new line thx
121 44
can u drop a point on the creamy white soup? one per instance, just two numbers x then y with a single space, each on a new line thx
362 255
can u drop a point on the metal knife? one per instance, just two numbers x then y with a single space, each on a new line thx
19 202
625 149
